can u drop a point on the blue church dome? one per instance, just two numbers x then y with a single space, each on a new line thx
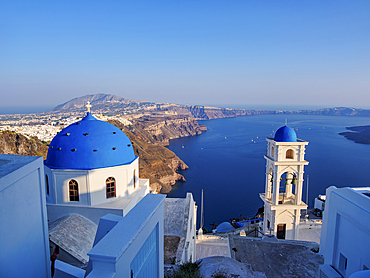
225 227
89 144
285 134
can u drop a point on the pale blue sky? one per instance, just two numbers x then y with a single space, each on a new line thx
296 53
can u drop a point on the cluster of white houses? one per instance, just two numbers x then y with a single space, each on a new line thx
87 199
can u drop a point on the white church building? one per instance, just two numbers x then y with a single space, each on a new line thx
284 183
91 163
87 199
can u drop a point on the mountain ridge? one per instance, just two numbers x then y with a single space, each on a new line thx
112 103
97 100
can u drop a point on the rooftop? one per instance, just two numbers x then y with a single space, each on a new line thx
211 246
174 209
277 258
75 234
113 245
10 163
176 219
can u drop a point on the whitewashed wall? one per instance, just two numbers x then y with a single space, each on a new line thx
346 229
113 254
92 184
24 240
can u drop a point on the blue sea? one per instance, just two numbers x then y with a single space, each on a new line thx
227 161
23 109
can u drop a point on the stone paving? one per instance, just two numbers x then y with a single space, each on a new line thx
228 267
310 234
210 246
277 258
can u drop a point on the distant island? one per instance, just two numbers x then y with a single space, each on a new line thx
358 134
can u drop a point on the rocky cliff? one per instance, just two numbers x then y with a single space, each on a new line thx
162 129
201 112
157 163
13 143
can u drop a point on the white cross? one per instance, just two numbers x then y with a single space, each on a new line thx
88 106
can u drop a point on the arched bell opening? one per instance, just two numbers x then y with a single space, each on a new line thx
272 152
270 181
287 188
289 154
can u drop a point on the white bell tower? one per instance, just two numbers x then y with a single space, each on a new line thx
284 183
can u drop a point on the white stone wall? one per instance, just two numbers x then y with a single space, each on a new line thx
24 240
92 184
94 213
277 150
113 254
189 230
346 229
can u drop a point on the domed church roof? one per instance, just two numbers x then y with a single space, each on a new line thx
89 144
285 134
225 227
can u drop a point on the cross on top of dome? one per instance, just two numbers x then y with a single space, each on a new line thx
88 106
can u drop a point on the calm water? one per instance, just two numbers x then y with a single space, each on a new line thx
227 161
23 110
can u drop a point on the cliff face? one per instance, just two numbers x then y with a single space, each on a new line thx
13 143
163 129
209 113
200 112
157 163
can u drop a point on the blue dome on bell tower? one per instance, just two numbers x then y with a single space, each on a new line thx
89 144
285 134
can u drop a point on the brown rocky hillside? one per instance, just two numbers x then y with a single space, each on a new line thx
161 130
14 143
157 163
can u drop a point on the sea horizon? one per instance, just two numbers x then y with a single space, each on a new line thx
8 110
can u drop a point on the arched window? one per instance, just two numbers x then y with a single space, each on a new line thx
134 178
47 184
272 152
111 187
73 191
289 154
